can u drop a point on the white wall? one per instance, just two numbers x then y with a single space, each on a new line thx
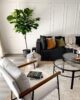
58 17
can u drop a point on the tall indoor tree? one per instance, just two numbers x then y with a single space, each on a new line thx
23 21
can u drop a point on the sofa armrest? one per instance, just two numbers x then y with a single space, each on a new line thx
38 46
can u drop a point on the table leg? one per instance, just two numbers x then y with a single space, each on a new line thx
63 66
72 80
34 65
53 67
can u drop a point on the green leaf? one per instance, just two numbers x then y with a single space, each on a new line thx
37 19
35 25
28 11
10 17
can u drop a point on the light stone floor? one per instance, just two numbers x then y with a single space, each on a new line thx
65 91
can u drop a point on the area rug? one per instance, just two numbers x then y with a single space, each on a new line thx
65 92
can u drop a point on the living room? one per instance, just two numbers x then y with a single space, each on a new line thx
57 18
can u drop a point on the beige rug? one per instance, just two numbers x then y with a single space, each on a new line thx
65 91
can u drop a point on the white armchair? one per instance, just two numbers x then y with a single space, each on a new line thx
19 83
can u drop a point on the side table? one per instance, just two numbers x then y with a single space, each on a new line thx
35 56
33 49
71 48
26 51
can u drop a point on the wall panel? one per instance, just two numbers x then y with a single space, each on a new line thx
57 17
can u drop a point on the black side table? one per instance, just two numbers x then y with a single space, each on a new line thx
71 50
33 49
26 51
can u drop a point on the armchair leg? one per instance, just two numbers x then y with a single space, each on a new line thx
33 95
58 88
12 96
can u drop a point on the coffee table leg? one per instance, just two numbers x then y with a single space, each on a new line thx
53 67
34 65
63 66
72 80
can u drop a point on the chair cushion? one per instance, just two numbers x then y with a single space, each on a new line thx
20 78
23 84
10 82
45 89
10 67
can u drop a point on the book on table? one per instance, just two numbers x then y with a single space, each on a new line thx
35 74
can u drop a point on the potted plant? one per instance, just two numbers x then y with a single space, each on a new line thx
24 22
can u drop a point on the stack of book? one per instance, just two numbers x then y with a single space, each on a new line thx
35 74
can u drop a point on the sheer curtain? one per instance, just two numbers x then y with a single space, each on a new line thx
1 51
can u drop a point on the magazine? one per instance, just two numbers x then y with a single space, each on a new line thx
35 74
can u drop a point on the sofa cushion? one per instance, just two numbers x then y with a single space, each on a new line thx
52 54
50 43
43 42
78 40
23 84
60 42
59 37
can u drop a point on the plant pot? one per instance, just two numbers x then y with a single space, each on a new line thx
25 52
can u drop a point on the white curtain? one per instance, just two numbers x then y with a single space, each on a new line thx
1 51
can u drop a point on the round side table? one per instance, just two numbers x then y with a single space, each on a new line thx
35 56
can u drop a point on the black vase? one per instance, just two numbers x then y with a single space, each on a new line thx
25 52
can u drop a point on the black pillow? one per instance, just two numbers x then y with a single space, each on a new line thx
59 37
43 42
78 40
